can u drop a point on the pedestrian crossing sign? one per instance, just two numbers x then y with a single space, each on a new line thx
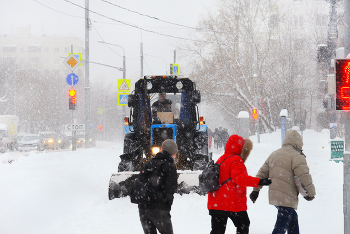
124 85
123 99
174 69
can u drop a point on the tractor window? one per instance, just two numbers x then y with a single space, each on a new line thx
141 108
185 113
169 107
166 106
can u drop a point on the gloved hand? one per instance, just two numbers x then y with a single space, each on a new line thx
307 198
265 181
254 195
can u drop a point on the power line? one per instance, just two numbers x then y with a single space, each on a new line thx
152 17
95 21
134 26
57 10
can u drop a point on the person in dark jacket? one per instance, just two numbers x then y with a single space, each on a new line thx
230 200
157 215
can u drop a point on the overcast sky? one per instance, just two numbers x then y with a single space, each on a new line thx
158 50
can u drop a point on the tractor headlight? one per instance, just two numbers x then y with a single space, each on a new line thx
155 150
179 85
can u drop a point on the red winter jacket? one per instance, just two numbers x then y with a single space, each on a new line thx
232 196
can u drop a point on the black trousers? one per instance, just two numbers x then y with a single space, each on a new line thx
219 221
152 219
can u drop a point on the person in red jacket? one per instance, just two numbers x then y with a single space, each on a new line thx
230 200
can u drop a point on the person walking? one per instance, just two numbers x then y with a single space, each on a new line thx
157 215
230 200
282 166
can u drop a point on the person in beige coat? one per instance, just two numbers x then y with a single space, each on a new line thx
281 167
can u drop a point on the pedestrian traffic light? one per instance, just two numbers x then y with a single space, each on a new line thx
72 99
255 114
342 75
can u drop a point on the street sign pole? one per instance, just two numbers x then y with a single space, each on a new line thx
87 83
74 135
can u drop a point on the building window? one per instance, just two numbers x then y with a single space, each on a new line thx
8 59
56 61
9 49
46 49
36 60
57 49
46 61
34 49
21 50
66 50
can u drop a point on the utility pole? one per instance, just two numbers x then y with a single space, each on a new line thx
257 93
141 59
331 45
346 184
87 85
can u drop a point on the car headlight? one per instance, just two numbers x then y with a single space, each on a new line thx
155 150
50 141
59 141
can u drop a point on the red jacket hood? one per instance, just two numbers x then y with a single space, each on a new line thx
234 145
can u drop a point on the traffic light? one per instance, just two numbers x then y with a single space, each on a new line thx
72 99
342 75
100 127
255 114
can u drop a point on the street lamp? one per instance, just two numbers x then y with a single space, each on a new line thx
123 55
15 93
124 70
166 72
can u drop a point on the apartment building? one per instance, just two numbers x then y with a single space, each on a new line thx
43 53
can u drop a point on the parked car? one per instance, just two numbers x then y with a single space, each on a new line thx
81 141
19 138
3 145
29 142
63 141
48 140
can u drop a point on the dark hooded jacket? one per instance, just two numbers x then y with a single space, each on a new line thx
232 196
281 167
165 194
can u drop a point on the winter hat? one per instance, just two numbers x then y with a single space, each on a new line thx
247 147
169 146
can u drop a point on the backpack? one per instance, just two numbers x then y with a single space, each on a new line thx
146 186
209 178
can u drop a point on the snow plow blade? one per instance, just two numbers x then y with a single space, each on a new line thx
120 184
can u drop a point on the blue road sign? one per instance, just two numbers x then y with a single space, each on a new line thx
176 70
72 79
123 99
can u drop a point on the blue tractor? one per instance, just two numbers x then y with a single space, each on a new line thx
162 107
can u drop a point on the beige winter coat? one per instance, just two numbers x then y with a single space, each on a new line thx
281 166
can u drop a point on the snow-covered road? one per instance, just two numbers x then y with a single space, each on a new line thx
66 192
